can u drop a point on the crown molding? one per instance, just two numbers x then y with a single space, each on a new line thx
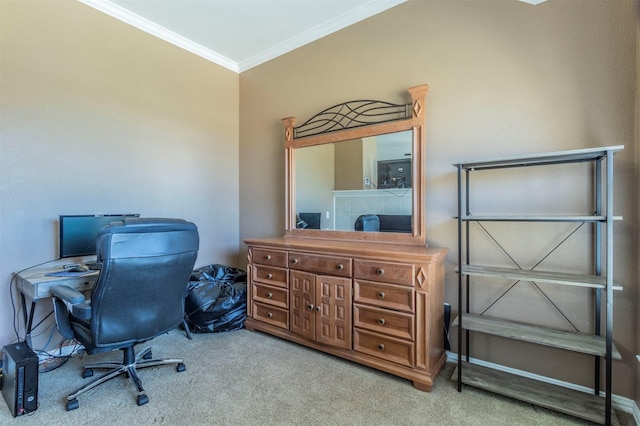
373 7
358 14
162 33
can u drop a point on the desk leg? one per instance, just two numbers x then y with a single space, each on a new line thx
28 318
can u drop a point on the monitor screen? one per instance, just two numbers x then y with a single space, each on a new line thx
78 232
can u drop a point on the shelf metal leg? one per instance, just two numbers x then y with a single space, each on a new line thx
459 278
609 361
598 271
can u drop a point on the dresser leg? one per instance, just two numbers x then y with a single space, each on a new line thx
425 387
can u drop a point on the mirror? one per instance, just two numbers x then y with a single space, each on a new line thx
362 180
338 182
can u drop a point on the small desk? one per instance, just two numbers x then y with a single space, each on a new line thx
36 285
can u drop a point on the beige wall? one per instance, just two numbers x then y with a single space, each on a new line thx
99 117
506 78
637 179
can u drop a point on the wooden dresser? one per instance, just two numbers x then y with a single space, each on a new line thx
371 297
380 305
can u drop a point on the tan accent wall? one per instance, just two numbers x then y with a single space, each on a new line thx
99 117
314 195
506 78
348 161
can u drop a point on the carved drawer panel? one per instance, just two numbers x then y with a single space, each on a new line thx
271 315
267 294
389 272
385 347
389 296
393 323
330 265
269 257
272 276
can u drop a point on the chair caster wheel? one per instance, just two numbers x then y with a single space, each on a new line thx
88 372
181 367
148 355
72 404
142 399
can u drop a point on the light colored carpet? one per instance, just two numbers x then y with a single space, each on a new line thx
250 378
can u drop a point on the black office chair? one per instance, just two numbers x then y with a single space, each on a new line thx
367 223
139 294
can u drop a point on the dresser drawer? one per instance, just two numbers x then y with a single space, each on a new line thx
272 276
384 347
271 315
330 265
396 324
270 295
388 272
389 296
269 257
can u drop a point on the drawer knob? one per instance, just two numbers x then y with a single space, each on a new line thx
381 347
269 315
268 257
380 271
318 308
310 307
294 261
269 295
381 295
340 267
381 321
269 276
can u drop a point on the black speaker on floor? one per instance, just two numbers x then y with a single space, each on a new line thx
20 378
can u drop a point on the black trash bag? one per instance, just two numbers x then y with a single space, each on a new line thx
216 299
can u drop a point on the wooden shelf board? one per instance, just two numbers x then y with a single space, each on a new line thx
558 157
577 342
568 401
592 281
537 218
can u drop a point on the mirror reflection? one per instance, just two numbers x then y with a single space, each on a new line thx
356 185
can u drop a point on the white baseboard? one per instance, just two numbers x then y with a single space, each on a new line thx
618 402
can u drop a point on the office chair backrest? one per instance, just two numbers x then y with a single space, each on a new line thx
367 223
146 264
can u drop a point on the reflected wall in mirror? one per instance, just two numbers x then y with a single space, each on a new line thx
339 182
355 171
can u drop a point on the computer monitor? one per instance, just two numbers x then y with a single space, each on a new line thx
312 220
78 233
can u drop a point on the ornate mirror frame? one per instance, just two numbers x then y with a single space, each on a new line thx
355 120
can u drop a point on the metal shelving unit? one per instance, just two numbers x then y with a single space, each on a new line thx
591 407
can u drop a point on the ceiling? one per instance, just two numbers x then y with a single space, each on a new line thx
241 34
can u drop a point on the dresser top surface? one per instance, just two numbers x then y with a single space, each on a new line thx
349 247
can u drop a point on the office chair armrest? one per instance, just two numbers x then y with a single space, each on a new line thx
81 311
67 294
65 300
